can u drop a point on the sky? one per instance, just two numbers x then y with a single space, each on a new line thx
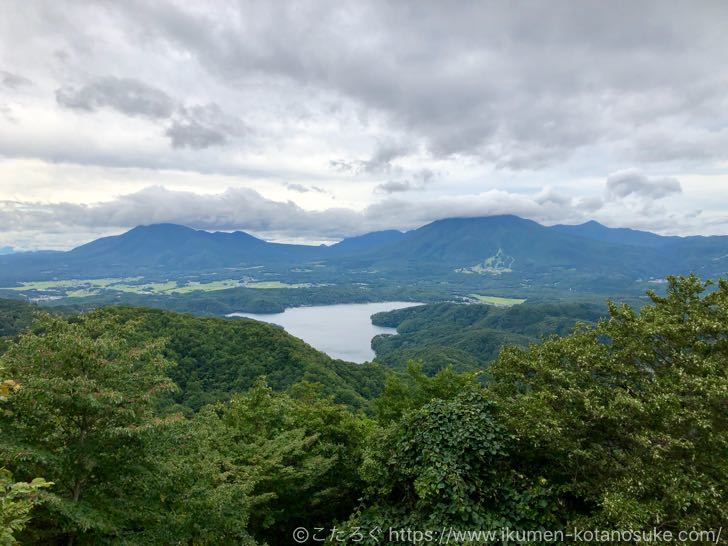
312 121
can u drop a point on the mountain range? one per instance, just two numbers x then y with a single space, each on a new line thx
491 246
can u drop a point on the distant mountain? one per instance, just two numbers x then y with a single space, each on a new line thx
486 247
624 236
368 242
159 249
509 245
502 244
171 245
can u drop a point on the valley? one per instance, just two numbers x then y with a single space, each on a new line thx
365 273
344 331
278 376
81 288
456 259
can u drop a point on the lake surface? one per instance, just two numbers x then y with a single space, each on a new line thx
342 331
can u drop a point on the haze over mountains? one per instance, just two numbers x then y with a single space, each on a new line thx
492 246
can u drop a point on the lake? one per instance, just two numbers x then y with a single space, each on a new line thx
342 331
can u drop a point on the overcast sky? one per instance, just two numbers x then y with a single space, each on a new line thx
311 121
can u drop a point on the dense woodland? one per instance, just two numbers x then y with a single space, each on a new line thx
468 337
135 426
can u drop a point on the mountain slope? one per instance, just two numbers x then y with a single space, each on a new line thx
487 246
468 337
624 236
367 242
511 242
158 249
217 357
179 247
498 245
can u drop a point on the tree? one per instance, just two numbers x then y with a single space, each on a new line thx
196 492
253 469
410 391
304 452
628 420
448 464
17 499
80 416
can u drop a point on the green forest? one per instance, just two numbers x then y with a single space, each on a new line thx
468 337
125 425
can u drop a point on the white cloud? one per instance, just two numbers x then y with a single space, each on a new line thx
358 100
246 209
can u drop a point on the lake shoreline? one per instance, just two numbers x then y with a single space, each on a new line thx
343 331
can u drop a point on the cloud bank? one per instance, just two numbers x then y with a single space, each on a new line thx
238 208
361 100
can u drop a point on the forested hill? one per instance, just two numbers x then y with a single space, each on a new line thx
619 425
15 316
468 337
216 357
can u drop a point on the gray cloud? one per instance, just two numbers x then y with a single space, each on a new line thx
393 186
417 182
126 95
635 183
270 92
489 80
195 127
13 81
7 113
200 127
380 161
300 188
242 208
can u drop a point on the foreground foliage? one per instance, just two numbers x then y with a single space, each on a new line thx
86 405
621 424
628 421
17 499
80 417
216 357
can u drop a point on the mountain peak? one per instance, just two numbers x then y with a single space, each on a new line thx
164 227
624 236
594 223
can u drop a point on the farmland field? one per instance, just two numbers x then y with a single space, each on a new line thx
148 288
70 283
496 300
276 284
80 288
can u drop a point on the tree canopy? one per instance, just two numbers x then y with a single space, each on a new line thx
619 424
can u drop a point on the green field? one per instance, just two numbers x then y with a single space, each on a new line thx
82 293
194 286
496 300
148 288
71 283
80 288
276 284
